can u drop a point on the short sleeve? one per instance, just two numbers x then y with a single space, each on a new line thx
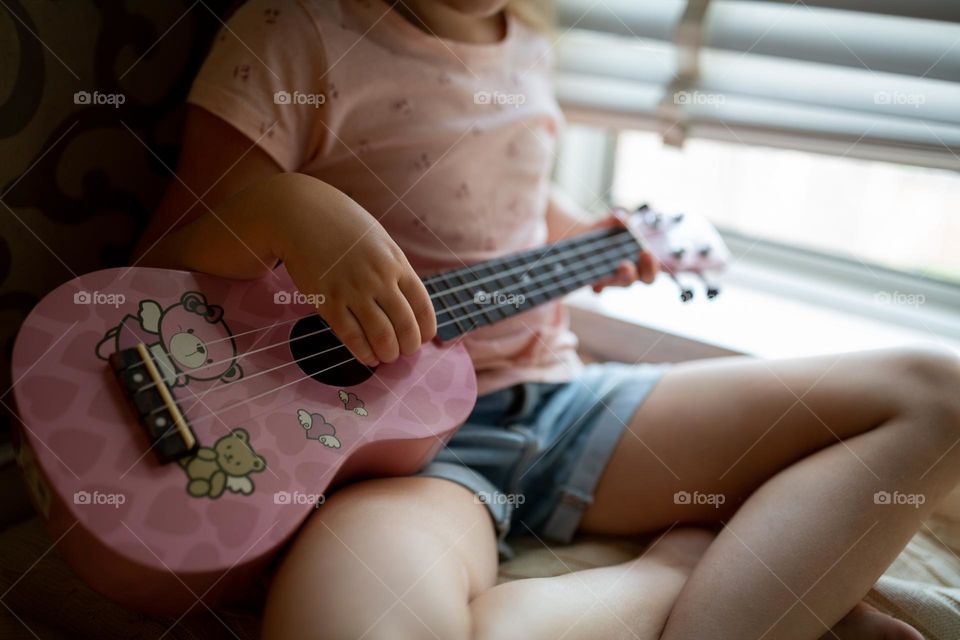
264 76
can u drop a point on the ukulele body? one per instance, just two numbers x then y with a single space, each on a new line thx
272 439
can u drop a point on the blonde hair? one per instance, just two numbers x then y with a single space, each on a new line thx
539 14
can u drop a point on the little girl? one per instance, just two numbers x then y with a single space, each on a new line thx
366 145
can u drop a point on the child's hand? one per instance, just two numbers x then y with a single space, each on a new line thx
372 298
644 269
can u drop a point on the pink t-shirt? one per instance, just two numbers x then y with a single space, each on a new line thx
449 145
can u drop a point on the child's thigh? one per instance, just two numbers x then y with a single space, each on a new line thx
391 558
723 427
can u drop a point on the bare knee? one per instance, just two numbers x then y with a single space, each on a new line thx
927 385
680 549
394 558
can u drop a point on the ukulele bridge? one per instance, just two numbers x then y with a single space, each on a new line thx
168 431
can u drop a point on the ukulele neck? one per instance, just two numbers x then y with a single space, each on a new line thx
487 292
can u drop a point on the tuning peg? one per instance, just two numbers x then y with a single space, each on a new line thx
686 293
712 290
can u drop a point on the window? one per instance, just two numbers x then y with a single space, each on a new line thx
902 217
828 125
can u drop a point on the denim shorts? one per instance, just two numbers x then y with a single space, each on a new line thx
533 453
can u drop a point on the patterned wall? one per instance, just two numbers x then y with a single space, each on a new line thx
91 105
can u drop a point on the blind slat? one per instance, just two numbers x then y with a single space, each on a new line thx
821 73
940 10
635 105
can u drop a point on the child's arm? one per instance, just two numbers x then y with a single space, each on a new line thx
256 215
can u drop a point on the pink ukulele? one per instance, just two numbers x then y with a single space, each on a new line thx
177 428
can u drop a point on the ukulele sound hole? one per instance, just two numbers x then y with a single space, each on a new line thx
320 355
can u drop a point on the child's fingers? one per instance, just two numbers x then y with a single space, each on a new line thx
348 330
625 275
405 324
421 305
648 267
378 329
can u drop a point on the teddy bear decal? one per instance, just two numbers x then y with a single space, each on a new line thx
189 340
226 466
317 428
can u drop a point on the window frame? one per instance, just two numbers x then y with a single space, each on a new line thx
777 266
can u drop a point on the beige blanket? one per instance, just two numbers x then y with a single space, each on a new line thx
45 600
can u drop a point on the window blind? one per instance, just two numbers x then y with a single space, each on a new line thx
875 79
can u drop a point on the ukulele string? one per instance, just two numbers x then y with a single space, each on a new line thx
559 255
445 309
211 414
342 346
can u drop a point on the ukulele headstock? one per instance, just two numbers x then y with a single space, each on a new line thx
683 243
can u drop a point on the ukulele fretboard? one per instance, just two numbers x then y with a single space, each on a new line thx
490 291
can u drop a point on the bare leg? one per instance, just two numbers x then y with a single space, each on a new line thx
629 600
415 558
398 558
797 450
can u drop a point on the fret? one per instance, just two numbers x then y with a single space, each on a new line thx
471 296
589 255
454 324
520 282
534 272
494 285
559 269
